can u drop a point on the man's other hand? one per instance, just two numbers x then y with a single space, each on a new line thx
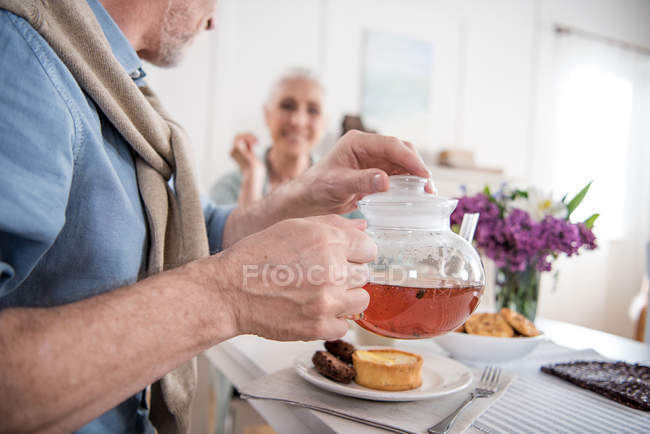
298 279
359 164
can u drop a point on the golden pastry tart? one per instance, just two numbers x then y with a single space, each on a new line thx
387 369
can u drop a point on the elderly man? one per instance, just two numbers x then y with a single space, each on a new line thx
106 282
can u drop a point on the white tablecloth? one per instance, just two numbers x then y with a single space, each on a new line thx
531 402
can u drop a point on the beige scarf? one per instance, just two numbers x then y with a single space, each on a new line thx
176 225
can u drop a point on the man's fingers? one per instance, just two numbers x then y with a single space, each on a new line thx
336 330
359 224
342 276
361 249
431 187
370 181
340 222
409 145
356 301
394 152
364 182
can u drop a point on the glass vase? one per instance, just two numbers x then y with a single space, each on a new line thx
518 290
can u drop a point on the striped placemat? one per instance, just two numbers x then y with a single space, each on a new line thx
543 403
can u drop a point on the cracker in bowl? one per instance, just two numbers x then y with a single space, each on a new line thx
489 324
505 324
519 322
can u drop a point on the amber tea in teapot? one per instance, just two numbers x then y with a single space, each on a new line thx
410 312
426 280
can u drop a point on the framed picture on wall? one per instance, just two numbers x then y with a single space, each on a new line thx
396 83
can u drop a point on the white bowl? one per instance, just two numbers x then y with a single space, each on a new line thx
476 348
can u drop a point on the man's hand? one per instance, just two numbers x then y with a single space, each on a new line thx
359 164
292 281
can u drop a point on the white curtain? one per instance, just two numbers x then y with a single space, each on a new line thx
600 132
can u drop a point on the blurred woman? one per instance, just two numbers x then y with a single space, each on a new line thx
296 122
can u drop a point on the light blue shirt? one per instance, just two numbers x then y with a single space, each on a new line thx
72 223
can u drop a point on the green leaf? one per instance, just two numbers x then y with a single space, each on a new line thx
486 190
564 198
591 220
573 203
518 193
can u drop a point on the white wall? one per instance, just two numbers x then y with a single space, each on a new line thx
185 93
596 289
490 93
480 84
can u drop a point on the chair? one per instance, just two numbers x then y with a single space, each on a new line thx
642 332
647 278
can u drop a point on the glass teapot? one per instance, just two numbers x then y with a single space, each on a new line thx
425 280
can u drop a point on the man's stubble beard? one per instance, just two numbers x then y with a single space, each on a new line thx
175 34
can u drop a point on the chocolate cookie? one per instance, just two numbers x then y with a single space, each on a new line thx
341 349
620 381
331 367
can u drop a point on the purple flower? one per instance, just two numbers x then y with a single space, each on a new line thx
472 204
587 237
560 235
516 241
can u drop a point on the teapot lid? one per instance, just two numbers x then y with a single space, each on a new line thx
407 205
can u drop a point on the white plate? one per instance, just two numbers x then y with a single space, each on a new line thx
440 376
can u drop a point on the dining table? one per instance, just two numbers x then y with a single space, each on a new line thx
248 360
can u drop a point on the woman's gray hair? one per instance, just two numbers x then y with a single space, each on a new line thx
294 74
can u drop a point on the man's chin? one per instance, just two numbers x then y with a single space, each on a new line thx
166 57
167 61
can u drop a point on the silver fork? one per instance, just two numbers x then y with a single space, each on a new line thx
486 386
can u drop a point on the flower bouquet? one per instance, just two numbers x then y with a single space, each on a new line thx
523 231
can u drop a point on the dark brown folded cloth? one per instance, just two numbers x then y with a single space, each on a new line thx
623 382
